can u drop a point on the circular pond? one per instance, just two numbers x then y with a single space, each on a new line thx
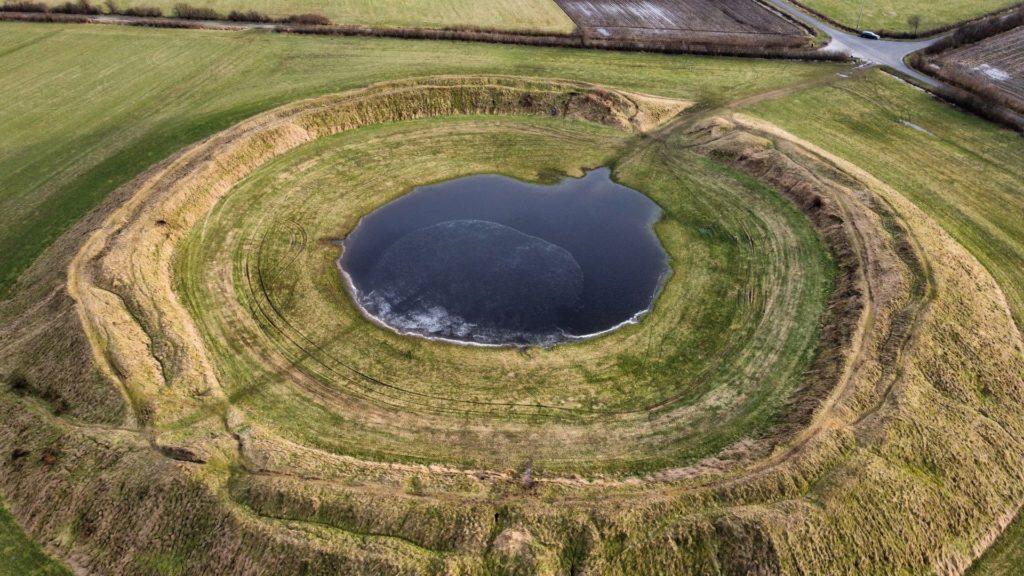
491 260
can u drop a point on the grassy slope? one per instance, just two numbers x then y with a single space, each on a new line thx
966 173
20 556
735 246
88 107
892 15
542 15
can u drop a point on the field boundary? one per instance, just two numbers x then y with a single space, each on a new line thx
706 46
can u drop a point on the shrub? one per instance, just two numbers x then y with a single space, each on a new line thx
914 21
79 7
18 382
307 19
143 11
414 486
24 7
982 99
982 87
44 17
248 16
190 12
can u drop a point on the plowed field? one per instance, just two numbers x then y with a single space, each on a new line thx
998 61
686 20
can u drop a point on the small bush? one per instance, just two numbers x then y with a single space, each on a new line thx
44 17
307 19
190 12
248 16
414 486
143 12
83 7
162 23
24 7
18 382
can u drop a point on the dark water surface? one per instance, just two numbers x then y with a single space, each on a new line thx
492 260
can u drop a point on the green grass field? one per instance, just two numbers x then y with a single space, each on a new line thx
529 15
90 107
19 555
963 171
739 252
966 173
892 16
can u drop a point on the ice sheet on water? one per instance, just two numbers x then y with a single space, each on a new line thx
474 280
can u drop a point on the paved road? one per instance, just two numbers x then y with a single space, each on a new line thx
885 52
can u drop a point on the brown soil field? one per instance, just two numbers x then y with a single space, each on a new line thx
728 21
997 62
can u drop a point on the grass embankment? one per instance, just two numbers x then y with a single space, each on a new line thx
87 108
725 346
892 16
518 15
964 172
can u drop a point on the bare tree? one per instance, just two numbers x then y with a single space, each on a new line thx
914 21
